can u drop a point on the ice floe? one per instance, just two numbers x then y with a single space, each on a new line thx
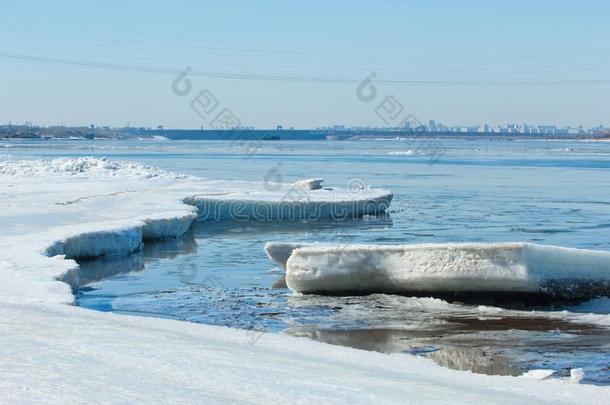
280 252
448 268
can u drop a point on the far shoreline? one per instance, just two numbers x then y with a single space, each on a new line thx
270 136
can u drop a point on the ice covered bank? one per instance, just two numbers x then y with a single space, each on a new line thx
76 208
55 353
444 268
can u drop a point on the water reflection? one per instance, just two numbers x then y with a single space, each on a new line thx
100 268
219 275
476 359
224 228
97 269
498 346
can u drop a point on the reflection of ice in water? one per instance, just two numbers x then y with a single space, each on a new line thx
465 337
476 360
92 270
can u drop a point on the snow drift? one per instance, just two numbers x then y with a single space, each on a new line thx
444 268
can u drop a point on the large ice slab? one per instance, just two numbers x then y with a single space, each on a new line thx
444 268
288 202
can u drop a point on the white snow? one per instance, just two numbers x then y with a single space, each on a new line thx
540 374
64 354
468 267
286 202
89 207
309 184
576 375
83 166
280 252
54 211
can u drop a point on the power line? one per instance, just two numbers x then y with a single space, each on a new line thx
184 37
303 79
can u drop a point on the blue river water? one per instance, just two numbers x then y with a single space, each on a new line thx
449 190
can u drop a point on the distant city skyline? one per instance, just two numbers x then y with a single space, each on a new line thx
301 64
415 125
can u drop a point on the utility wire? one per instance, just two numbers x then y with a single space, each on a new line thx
303 79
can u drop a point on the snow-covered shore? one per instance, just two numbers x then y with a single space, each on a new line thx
53 212
63 354
76 208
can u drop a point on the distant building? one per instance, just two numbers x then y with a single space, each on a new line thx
547 129
573 131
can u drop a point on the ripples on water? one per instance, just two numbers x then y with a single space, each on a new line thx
477 191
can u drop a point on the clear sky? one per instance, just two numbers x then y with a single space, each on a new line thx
299 64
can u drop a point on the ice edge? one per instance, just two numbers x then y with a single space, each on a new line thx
129 236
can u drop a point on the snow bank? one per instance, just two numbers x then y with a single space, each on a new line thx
81 166
87 207
121 240
469 267
49 352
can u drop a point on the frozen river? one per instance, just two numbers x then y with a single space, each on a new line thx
444 191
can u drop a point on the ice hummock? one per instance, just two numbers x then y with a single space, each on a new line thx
444 268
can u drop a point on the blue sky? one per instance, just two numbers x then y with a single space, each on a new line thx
112 62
